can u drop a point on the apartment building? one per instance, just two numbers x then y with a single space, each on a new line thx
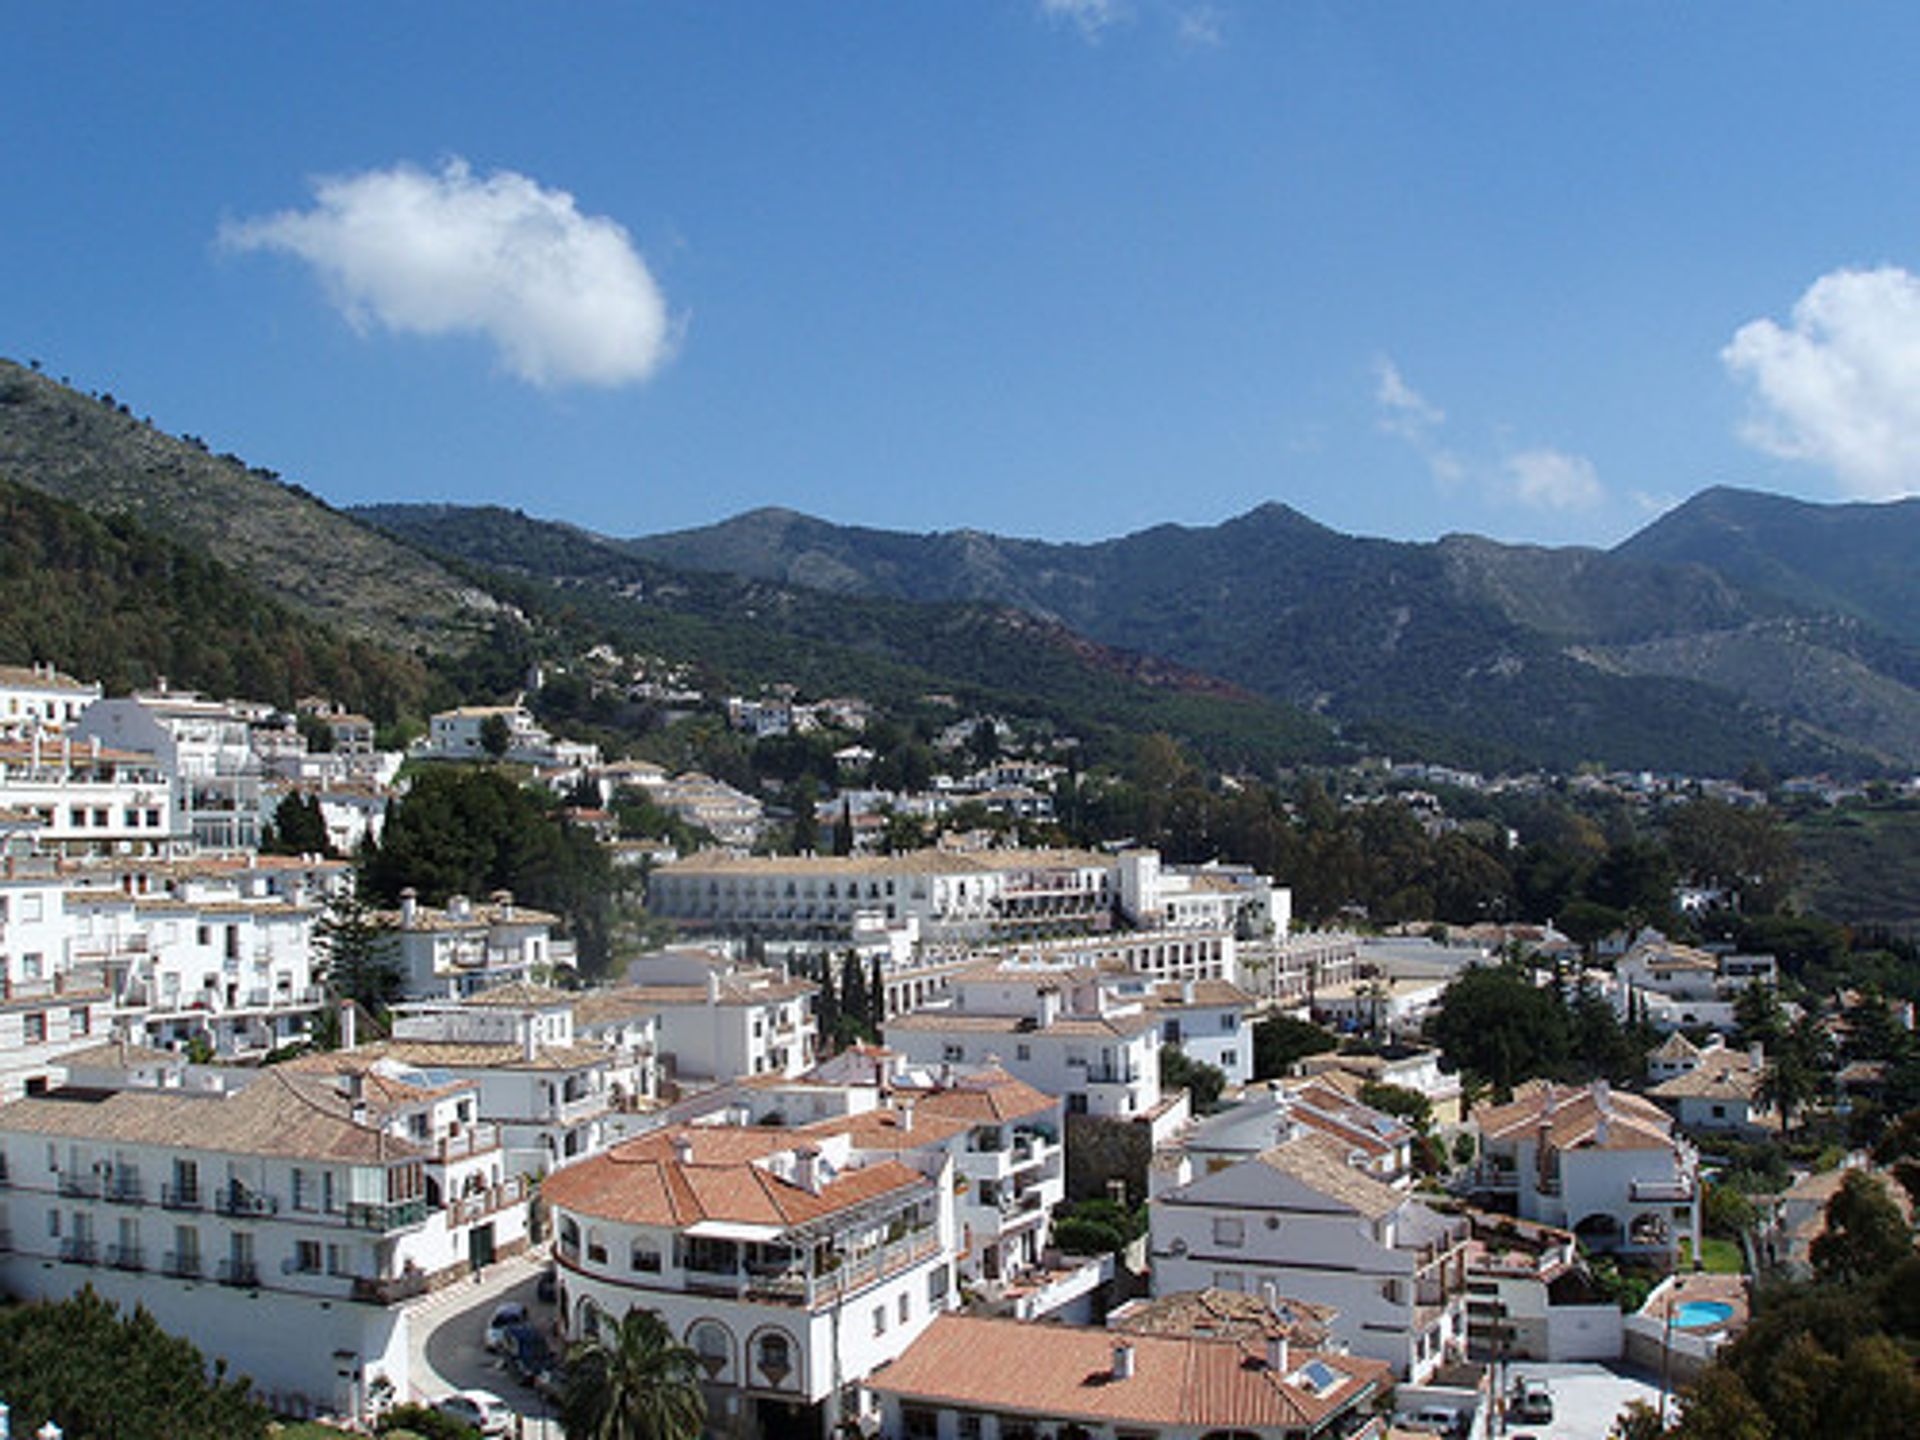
205 745
719 1018
90 799
792 1265
1062 1031
289 1207
1302 1217
1378 1145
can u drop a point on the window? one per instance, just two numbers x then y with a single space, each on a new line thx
1229 1230
32 964
936 1288
306 1257
35 1024
774 1356
644 1258
1229 1022
951 1051
1229 1280
1229 1057
79 1021
906 1307
1022 1051
920 1422
879 1319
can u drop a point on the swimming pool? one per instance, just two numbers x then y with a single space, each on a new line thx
1702 1314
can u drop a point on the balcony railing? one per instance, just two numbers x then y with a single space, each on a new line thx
182 1264
238 1200
474 1140
469 1208
182 1197
397 1215
79 1185
389 1290
126 1190
80 1250
126 1257
239 1272
1662 1190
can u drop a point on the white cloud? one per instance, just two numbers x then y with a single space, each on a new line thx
564 297
1839 386
1199 25
1541 479
1091 16
1552 480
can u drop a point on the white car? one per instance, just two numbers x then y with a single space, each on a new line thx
482 1409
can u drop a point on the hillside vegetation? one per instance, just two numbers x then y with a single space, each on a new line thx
102 598
93 452
1486 653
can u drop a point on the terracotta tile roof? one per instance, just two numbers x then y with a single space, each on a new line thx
120 1054
448 1055
1320 1163
1226 1314
644 1182
1067 1372
521 995
1573 1118
1172 994
1721 1075
987 1095
278 1115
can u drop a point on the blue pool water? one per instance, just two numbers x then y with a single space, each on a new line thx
1702 1314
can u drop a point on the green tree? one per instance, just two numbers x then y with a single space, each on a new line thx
356 952
1866 1235
1409 1105
496 735
1280 1041
806 816
102 1376
1493 1022
632 1381
1202 1082
298 828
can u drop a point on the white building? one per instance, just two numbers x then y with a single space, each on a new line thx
719 1019
205 745
1379 1145
89 799
239 1218
466 948
1602 1163
1209 1021
1214 896
1301 1217
1063 1032
978 1378
1713 1086
793 1266
40 698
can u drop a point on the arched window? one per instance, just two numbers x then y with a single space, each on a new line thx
712 1344
773 1356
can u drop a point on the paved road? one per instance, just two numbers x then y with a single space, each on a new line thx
447 1335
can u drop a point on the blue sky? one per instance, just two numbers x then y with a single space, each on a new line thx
1065 268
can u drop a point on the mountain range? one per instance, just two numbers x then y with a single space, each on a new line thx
1739 627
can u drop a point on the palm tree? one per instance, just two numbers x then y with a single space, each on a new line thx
632 1381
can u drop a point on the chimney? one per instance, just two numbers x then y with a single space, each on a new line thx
905 1113
1757 1056
357 1097
504 900
807 1169
409 907
349 1020
1277 1354
713 987
529 1039
682 1150
1123 1361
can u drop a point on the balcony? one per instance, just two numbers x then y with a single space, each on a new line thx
240 1201
474 1140
389 1290
181 1197
239 1273
126 1257
126 1190
395 1215
1662 1191
181 1264
80 1250
79 1186
469 1208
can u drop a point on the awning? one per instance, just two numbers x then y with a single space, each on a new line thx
734 1230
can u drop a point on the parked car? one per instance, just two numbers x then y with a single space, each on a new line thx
1532 1403
528 1354
1433 1420
482 1409
505 1316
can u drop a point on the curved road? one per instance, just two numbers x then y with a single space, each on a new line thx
447 1337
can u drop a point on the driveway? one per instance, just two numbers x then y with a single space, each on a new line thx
1587 1398
447 1337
